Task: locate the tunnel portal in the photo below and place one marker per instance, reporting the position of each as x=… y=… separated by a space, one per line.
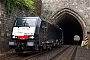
x=70 y=27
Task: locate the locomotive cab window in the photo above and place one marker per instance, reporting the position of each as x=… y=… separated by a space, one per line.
x=43 y=24
x=25 y=22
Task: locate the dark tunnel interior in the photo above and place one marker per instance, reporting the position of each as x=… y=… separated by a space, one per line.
x=70 y=27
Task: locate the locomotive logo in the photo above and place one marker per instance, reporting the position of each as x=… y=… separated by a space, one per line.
x=21 y=31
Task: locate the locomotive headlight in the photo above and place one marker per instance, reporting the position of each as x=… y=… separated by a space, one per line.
x=31 y=37
x=14 y=36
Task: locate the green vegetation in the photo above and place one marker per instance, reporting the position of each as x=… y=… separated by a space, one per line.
x=11 y=4
x=88 y=46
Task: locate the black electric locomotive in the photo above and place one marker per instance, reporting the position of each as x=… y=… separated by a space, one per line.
x=33 y=34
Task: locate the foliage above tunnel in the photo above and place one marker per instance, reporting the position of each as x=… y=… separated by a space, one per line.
x=26 y=3
x=22 y=4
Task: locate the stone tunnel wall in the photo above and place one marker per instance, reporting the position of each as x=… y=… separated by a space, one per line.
x=6 y=22
x=82 y=7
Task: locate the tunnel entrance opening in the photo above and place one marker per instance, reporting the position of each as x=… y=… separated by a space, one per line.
x=70 y=27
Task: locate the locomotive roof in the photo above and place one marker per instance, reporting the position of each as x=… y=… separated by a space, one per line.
x=52 y=24
x=29 y=17
x=37 y=17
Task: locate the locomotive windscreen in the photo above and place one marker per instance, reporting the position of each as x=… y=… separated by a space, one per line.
x=25 y=22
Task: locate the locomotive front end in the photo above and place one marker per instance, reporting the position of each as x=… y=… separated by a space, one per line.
x=24 y=35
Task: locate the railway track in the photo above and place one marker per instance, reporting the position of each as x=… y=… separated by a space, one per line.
x=67 y=54
x=17 y=56
x=60 y=53
x=34 y=56
x=74 y=53
x=44 y=55
x=21 y=57
x=54 y=57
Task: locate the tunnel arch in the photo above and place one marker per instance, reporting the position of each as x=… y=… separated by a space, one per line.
x=68 y=19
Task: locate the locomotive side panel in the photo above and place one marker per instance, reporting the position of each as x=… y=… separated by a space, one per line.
x=42 y=33
x=54 y=34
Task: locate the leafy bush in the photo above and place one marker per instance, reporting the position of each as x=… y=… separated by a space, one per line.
x=11 y=4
